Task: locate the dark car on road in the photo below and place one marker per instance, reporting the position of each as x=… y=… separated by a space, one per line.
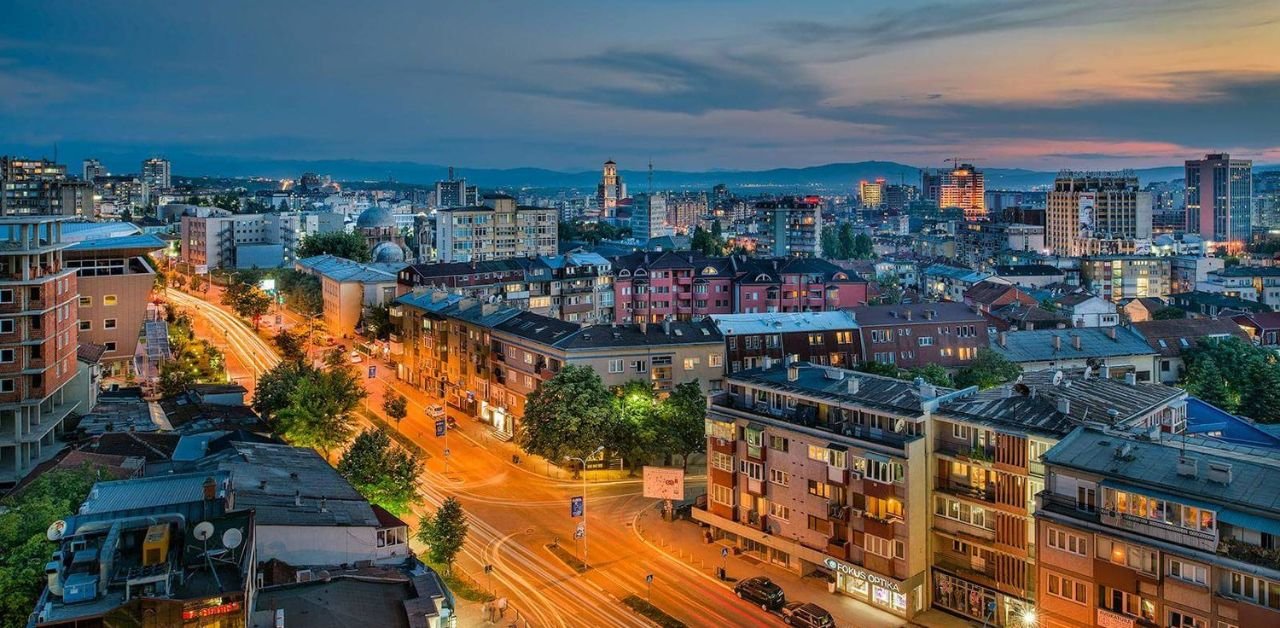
x=807 y=614
x=762 y=591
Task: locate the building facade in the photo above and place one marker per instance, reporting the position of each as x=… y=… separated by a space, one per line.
x=826 y=338
x=789 y=227
x=114 y=279
x=496 y=230
x=610 y=190
x=1120 y=277
x=1098 y=213
x=910 y=336
x=1220 y=198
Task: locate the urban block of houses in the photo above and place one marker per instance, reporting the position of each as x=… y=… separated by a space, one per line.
x=910 y=336
x=1171 y=338
x=939 y=281
x=1117 y=349
x=349 y=288
x=818 y=337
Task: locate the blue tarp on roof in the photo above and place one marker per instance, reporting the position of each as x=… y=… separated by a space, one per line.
x=1204 y=419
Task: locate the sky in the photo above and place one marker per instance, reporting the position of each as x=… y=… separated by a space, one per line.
x=688 y=84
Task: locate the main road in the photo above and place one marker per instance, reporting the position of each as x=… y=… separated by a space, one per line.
x=514 y=513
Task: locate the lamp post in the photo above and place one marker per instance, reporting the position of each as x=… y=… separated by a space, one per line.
x=583 y=461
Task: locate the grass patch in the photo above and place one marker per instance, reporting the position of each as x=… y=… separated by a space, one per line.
x=567 y=558
x=653 y=613
x=460 y=584
x=395 y=434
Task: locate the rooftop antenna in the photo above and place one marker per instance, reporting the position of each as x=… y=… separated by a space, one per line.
x=650 y=176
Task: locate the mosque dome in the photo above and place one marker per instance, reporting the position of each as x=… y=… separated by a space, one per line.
x=387 y=252
x=376 y=218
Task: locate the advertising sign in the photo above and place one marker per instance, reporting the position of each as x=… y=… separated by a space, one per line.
x=575 y=506
x=1088 y=213
x=664 y=483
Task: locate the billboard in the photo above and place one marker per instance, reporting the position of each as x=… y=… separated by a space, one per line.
x=664 y=483
x=1088 y=213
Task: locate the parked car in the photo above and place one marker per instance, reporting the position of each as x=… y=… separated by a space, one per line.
x=762 y=591
x=435 y=411
x=806 y=614
x=356 y=358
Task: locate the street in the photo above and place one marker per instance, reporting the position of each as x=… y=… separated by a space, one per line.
x=516 y=510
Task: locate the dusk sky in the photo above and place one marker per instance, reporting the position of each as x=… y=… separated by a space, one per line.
x=693 y=85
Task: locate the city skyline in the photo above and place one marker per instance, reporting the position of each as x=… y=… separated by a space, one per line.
x=1005 y=84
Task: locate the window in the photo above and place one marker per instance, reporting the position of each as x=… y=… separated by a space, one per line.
x=721 y=430
x=1256 y=590
x=1086 y=499
x=925 y=341
x=6 y=385
x=6 y=355
x=86 y=301
x=878 y=546
x=691 y=363
x=1067 y=589
x=963 y=512
x=1067 y=542
x=640 y=366
x=6 y=295
x=722 y=461
x=820 y=525
x=820 y=489
x=615 y=366
x=86 y=325
x=779 y=511
x=817 y=453
x=109 y=299
x=715 y=360
x=392 y=536
x=884 y=472
x=1180 y=619
x=881 y=335
x=960 y=431
x=1130 y=556
x=722 y=494
x=815 y=339
x=109 y=323
x=779 y=477
x=753 y=470
x=1127 y=603
x=778 y=443
x=6 y=326
x=1188 y=572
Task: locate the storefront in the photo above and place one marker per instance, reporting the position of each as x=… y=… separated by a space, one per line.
x=862 y=585
x=977 y=602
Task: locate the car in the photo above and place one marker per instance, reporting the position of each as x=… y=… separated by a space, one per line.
x=435 y=411
x=762 y=591
x=806 y=614
x=356 y=358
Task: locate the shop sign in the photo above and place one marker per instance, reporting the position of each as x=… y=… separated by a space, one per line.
x=861 y=574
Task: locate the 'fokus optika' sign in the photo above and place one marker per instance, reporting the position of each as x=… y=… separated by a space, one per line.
x=861 y=574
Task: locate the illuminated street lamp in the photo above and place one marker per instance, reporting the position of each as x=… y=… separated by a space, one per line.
x=583 y=461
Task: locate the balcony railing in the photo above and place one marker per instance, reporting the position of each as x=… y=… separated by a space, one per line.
x=1249 y=553
x=1205 y=541
x=986 y=494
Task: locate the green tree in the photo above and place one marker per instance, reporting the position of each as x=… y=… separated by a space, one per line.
x=846 y=240
x=682 y=422
x=570 y=414
x=377 y=322
x=396 y=406
x=1262 y=402
x=933 y=373
x=988 y=369
x=863 y=247
x=290 y=346
x=274 y=387
x=830 y=241
x=384 y=474
x=1169 y=314
x=891 y=292
x=1204 y=379
x=24 y=518
x=251 y=303
x=444 y=532
x=879 y=368
x=337 y=243
x=319 y=410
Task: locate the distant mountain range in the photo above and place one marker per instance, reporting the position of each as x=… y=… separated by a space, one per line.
x=827 y=177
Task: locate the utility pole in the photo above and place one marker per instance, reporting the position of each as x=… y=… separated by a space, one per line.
x=583 y=460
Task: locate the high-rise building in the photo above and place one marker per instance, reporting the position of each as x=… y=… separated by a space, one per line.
x=610 y=191
x=964 y=187
x=92 y=170
x=789 y=227
x=496 y=230
x=455 y=192
x=1098 y=213
x=38 y=336
x=897 y=198
x=871 y=193
x=684 y=211
x=649 y=216
x=1220 y=198
x=155 y=174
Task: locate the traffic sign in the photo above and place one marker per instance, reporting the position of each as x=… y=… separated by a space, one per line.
x=447 y=452
x=580 y=532
x=440 y=428
x=373 y=371
x=724 y=552
x=576 y=506
x=648 y=579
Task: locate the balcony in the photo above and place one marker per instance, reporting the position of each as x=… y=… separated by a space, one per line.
x=838 y=512
x=984 y=455
x=984 y=494
x=838 y=547
x=1249 y=553
x=1204 y=541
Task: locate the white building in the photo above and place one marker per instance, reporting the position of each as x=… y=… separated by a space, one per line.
x=649 y=217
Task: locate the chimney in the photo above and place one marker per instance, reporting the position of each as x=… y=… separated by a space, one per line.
x=1075 y=341
x=1219 y=472
x=793 y=373
x=1106 y=372
x=644 y=326
x=1111 y=333
x=666 y=326
x=1064 y=406
x=768 y=362
x=852 y=386
x=906 y=314
x=297 y=498
x=210 y=489
x=1057 y=342
x=324 y=505
x=1131 y=378
x=1188 y=467
x=1003 y=338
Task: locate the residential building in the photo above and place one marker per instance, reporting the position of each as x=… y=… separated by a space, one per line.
x=1220 y=198
x=1120 y=277
x=1200 y=304
x=1251 y=283
x=454 y=192
x=114 y=282
x=38 y=333
x=684 y=212
x=1030 y=276
x=655 y=286
x=1098 y=213
x=898 y=198
x=989 y=296
x=979 y=243
x=871 y=193
x=1263 y=328
x=1188 y=271
x=794 y=285
x=610 y=190
x=961 y=187
x=269 y=240
x=649 y=216
x=156 y=176
x=942 y=282
x=1172 y=338
x=1021 y=316
x=789 y=227
x=1142 y=309
x=120 y=193
x=91 y=170
x=826 y=338
x=496 y=230
x=909 y=336
x=1118 y=351
x=1157 y=529
x=1084 y=309
x=349 y=288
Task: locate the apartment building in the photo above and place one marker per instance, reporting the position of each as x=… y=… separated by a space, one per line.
x=1121 y=277
x=495 y=230
x=1157 y=529
x=1117 y=350
x=949 y=283
x=38 y=312
x=114 y=280
x=789 y=227
x=1219 y=194
x=794 y=285
x=652 y=287
x=1251 y=283
x=826 y=338
x=349 y=288
x=250 y=240
x=909 y=336
x=1098 y=213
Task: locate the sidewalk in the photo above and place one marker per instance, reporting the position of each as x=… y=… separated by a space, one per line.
x=684 y=540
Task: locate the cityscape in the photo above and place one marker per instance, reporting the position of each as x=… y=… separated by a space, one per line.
x=662 y=314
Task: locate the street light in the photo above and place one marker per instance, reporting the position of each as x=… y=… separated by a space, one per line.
x=583 y=461
x=1029 y=617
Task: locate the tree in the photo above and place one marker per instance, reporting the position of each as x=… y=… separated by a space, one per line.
x=846 y=240
x=1204 y=379
x=1234 y=375
x=350 y=245
x=933 y=373
x=175 y=378
x=1262 y=403
x=863 y=247
x=377 y=322
x=830 y=241
x=568 y=415
x=891 y=292
x=290 y=346
x=700 y=241
x=988 y=369
x=879 y=368
x=444 y=532
x=1169 y=314
x=274 y=387
x=24 y=518
x=248 y=301
x=384 y=474
x=396 y=406
x=682 y=416
x=318 y=414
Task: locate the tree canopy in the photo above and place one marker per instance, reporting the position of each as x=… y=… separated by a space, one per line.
x=1235 y=376
x=384 y=473
x=444 y=532
x=568 y=415
x=350 y=245
x=988 y=369
x=309 y=407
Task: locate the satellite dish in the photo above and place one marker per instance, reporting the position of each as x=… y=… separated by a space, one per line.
x=232 y=538
x=56 y=530
x=203 y=531
x=1057 y=377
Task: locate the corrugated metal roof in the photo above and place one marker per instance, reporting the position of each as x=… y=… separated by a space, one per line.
x=145 y=493
x=774 y=323
x=1095 y=342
